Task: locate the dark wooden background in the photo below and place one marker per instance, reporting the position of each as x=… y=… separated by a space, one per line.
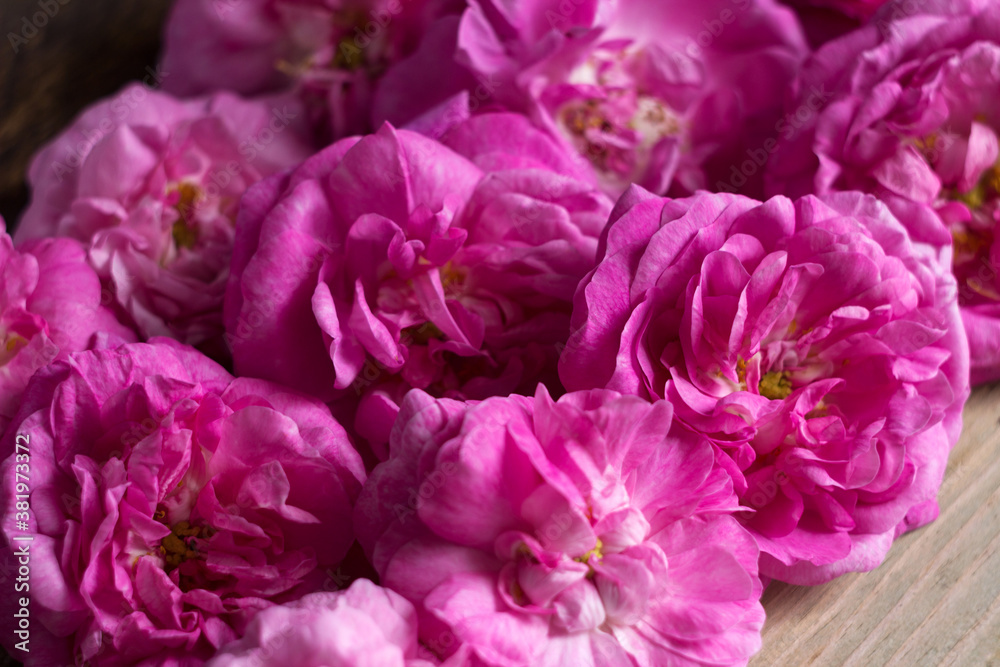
x=86 y=50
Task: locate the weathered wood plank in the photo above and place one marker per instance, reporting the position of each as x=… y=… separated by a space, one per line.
x=86 y=50
x=936 y=599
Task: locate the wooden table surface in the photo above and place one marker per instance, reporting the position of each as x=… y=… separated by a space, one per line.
x=935 y=600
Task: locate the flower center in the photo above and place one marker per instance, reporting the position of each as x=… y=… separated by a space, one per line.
x=453 y=279
x=984 y=192
x=420 y=334
x=741 y=373
x=354 y=48
x=596 y=552
x=775 y=385
x=974 y=235
x=12 y=343
x=185 y=198
x=356 y=41
x=616 y=128
x=180 y=545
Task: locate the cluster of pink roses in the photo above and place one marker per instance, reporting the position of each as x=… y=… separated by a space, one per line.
x=419 y=332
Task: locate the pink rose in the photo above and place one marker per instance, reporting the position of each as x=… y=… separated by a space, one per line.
x=331 y=54
x=912 y=115
x=391 y=261
x=813 y=340
x=151 y=185
x=169 y=502
x=363 y=626
x=585 y=531
x=667 y=94
x=50 y=306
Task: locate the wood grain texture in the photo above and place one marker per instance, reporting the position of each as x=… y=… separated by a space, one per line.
x=86 y=50
x=935 y=600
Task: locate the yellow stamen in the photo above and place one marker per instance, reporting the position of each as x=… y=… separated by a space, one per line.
x=453 y=278
x=14 y=341
x=420 y=334
x=174 y=548
x=986 y=189
x=775 y=385
x=184 y=231
x=518 y=594
x=820 y=410
x=967 y=242
x=741 y=373
x=595 y=552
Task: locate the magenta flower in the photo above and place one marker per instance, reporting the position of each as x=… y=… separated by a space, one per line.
x=50 y=306
x=859 y=10
x=151 y=185
x=813 y=340
x=912 y=116
x=664 y=94
x=583 y=531
x=392 y=262
x=361 y=626
x=332 y=54
x=170 y=502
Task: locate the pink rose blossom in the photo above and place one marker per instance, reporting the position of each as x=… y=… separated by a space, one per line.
x=813 y=340
x=50 y=306
x=332 y=53
x=151 y=185
x=913 y=116
x=391 y=261
x=362 y=626
x=540 y=533
x=666 y=94
x=169 y=502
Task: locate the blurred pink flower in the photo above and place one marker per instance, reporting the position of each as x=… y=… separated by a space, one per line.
x=913 y=116
x=363 y=626
x=332 y=53
x=665 y=94
x=391 y=261
x=583 y=531
x=170 y=502
x=814 y=340
x=50 y=306
x=151 y=185
x=860 y=10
